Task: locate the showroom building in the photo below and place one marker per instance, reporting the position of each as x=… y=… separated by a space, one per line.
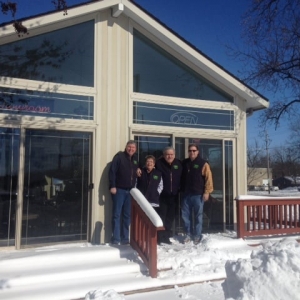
x=77 y=87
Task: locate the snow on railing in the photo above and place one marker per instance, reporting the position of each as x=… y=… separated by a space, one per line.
x=145 y=222
x=258 y=216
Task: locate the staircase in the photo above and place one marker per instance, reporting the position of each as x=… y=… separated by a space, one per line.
x=70 y=272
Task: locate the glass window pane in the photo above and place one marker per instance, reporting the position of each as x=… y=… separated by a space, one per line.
x=46 y=104
x=159 y=73
x=55 y=197
x=64 y=56
x=149 y=145
x=9 y=166
x=180 y=116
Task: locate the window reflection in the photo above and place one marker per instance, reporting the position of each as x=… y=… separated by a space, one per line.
x=64 y=56
x=159 y=73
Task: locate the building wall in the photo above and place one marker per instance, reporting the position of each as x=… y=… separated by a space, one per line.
x=256 y=176
x=113 y=126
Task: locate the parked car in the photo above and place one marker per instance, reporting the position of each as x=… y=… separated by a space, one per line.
x=274 y=188
x=264 y=188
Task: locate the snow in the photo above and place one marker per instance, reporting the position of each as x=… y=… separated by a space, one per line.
x=221 y=267
x=146 y=207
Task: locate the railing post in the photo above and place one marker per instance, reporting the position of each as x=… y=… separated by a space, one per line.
x=240 y=219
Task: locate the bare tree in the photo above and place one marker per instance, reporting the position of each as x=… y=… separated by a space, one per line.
x=286 y=161
x=271 y=33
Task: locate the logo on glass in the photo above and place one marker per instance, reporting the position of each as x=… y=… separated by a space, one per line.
x=184 y=118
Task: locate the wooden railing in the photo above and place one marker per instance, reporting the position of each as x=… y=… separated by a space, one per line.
x=145 y=223
x=258 y=216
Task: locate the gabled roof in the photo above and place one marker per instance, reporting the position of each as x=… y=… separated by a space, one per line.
x=254 y=100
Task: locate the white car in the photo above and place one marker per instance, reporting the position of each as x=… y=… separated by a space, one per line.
x=264 y=188
x=274 y=188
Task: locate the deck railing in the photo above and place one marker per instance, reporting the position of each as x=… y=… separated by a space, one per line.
x=145 y=223
x=259 y=216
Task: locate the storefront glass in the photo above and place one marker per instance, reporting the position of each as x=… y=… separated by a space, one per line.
x=55 y=194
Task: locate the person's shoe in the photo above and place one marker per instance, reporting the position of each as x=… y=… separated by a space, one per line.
x=125 y=243
x=197 y=240
x=187 y=239
x=115 y=243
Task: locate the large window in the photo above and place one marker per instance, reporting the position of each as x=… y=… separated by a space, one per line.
x=64 y=56
x=159 y=73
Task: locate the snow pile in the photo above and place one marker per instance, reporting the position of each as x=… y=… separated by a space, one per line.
x=272 y=273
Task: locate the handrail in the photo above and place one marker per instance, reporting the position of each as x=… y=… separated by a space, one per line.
x=258 y=216
x=145 y=223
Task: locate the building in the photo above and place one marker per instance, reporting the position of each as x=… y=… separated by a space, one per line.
x=259 y=176
x=77 y=87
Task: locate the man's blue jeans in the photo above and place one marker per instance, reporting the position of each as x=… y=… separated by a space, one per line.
x=192 y=208
x=121 y=213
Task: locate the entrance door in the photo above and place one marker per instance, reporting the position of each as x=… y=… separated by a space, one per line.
x=56 y=180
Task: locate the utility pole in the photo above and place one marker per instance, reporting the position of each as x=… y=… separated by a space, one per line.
x=268 y=159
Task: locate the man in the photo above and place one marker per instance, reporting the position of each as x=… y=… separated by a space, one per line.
x=196 y=186
x=150 y=182
x=171 y=170
x=122 y=178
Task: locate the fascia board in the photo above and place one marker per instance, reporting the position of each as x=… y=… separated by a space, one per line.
x=48 y=19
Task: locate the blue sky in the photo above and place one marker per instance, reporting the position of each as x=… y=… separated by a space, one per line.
x=209 y=25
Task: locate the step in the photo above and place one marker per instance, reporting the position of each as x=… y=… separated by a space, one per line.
x=68 y=256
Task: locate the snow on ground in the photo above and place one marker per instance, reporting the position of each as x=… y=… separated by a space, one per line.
x=269 y=271
x=221 y=267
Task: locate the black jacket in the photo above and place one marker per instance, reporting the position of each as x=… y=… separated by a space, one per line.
x=148 y=185
x=122 y=172
x=193 y=181
x=171 y=175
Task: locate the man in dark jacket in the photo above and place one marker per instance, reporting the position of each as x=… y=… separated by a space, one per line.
x=171 y=170
x=122 y=178
x=196 y=186
x=150 y=182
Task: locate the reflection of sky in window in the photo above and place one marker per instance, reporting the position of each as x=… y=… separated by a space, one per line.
x=177 y=116
x=33 y=57
x=157 y=72
x=47 y=104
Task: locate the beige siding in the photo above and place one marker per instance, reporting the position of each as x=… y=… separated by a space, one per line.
x=112 y=113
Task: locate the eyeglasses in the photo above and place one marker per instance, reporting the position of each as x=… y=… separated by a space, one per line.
x=193 y=150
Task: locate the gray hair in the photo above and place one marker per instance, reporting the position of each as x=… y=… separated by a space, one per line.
x=130 y=142
x=167 y=149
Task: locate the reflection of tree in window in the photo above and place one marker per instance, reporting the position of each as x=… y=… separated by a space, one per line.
x=27 y=64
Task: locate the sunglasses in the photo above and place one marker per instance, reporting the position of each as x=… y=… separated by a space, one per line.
x=193 y=150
